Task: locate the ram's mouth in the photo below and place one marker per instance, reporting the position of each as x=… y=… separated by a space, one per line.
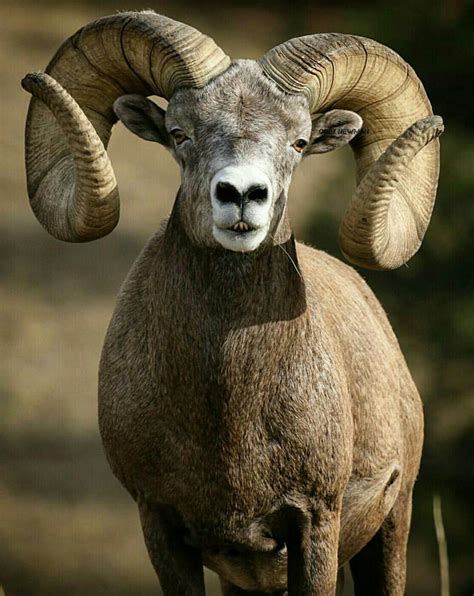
x=240 y=237
x=241 y=227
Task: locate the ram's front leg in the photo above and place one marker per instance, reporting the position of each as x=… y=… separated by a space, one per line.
x=179 y=566
x=312 y=553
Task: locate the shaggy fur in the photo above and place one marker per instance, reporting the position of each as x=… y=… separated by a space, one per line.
x=256 y=404
x=252 y=396
x=261 y=419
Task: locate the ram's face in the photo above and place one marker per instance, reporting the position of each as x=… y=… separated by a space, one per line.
x=237 y=141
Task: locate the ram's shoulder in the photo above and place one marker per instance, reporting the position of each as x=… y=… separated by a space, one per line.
x=338 y=286
x=138 y=285
x=320 y=267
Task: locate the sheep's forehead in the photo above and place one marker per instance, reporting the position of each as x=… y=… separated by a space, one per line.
x=240 y=101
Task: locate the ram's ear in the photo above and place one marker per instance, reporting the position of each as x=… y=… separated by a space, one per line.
x=333 y=130
x=143 y=117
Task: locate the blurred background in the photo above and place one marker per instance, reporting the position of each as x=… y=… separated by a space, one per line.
x=66 y=525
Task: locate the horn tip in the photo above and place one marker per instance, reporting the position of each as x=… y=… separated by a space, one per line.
x=439 y=124
x=31 y=80
x=433 y=123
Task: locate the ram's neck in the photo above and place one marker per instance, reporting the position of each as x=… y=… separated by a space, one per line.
x=240 y=288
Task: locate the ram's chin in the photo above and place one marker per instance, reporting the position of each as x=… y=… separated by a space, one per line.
x=240 y=241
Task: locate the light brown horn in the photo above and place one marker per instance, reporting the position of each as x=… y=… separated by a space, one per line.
x=71 y=183
x=397 y=154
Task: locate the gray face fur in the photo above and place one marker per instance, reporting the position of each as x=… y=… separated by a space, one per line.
x=237 y=141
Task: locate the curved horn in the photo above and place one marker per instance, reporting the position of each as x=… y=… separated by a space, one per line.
x=397 y=156
x=71 y=183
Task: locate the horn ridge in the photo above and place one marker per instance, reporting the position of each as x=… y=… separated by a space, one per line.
x=71 y=115
x=359 y=74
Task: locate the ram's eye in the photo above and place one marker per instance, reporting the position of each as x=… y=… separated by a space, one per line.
x=300 y=145
x=178 y=135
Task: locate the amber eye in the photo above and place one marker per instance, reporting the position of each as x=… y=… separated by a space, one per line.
x=299 y=145
x=178 y=135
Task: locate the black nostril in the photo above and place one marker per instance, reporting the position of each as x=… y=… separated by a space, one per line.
x=257 y=193
x=227 y=193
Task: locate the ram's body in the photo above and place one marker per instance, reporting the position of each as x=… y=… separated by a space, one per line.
x=232 y=388
x=253 y=398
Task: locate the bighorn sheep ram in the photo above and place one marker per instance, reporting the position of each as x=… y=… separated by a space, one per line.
x=253 y=398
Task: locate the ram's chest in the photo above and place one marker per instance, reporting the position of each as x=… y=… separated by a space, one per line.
x=248 y=408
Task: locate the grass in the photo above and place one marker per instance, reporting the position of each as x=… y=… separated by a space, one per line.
x=442 y=546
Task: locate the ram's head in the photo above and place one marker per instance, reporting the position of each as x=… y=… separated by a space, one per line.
x=237 y=131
